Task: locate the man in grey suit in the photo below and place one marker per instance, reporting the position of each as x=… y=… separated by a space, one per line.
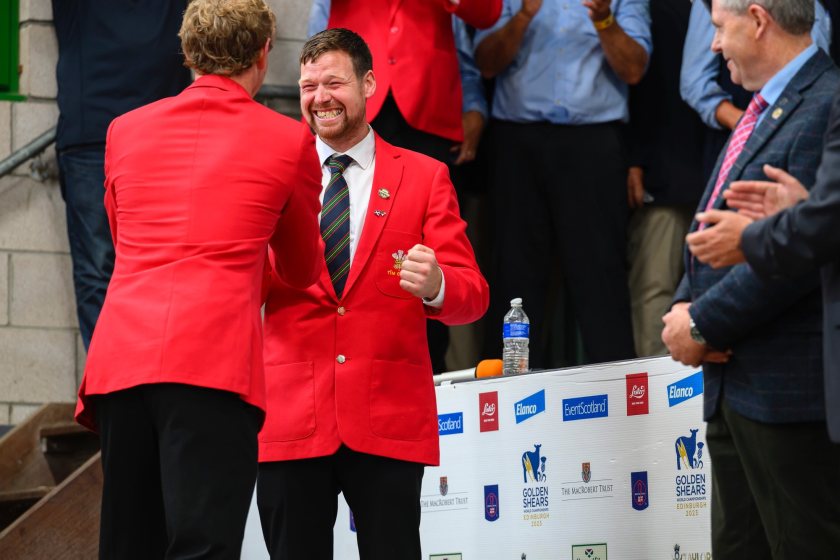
x=774 y=470
x=794 y=240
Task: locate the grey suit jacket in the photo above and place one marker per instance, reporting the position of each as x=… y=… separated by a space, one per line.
x=771 y=325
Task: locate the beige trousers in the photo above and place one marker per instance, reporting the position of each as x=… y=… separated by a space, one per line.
x=656 y=239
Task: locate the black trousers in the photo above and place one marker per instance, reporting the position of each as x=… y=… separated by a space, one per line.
x=392 y=127
x=775 y=489
x=298 y=504
x=560 y=194
x=179 y=466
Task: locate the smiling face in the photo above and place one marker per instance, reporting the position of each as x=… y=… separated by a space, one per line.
x=735 y=39
x=333 y=97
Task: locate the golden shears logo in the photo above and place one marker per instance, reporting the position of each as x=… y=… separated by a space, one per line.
x=533 y=466
x=399 y=256
x=689 y=451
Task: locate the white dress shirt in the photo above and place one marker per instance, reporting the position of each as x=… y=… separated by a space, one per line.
x=359 y=178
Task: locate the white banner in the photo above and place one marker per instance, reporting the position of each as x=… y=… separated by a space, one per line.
x=582 y=463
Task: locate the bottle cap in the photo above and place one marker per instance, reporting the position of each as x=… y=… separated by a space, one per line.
x=516 y=301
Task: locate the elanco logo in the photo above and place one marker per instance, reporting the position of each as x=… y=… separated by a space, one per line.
x=637 y=394
x=685 y=389
x=488 y=406
x=530 y=406
x=452 y=423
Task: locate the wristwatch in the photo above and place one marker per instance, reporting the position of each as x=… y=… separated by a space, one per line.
x=695 y=332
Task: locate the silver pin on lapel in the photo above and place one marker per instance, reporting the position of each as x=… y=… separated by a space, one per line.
x=379 y=213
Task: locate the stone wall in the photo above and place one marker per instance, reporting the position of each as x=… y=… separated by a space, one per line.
x=41 y=354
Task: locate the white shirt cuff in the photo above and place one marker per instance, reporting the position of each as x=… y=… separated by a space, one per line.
x=438 y=301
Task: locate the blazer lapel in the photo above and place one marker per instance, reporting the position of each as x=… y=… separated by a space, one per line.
x=395 y=5
x=773 y=120
x=387 y=176
x=776 y=116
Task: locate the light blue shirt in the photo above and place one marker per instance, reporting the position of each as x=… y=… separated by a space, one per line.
x=560 y=74
x=777 y=84
x=698 y=78
x=474 y=97
x=319 y=17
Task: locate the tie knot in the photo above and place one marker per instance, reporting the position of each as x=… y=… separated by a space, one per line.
x=338 y=163
x=757 y=104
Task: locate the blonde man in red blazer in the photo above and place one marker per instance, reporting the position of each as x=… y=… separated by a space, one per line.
x=351 y=400
x=196 y=187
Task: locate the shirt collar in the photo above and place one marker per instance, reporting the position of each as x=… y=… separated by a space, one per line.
x=777 y=84
x=362 y=153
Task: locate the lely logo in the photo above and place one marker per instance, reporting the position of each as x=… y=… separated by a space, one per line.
x=589 y=551
x=488 y=411
x=637 y=394
x=530 y=406
x=491 y=502
x=452 y=423
x=583 y=408
x=639 y=490
x=685 y=389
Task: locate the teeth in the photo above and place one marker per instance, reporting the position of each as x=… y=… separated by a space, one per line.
x=328 y=114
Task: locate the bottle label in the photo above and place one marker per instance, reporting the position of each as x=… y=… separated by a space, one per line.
x=516 y=330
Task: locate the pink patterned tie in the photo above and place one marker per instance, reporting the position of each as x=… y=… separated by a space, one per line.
x=739 y=138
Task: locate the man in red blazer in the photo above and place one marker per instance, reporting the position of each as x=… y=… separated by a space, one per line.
x=350 y=396
x=196 y=186
x=418 y=100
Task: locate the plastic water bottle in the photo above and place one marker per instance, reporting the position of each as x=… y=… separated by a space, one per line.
x=515 y=337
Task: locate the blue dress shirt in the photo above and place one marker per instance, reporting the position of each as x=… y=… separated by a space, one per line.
x=698 y=79
x=777 y=84
x=560 y=74
x=475 y=98
x=319 y=17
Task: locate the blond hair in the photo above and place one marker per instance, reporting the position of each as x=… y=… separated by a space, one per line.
x=225 y=36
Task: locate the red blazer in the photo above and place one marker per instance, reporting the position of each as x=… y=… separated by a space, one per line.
x=196 y=186
x=414 y=55
x=357 y=370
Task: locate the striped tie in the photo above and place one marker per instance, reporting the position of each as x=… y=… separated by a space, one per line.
x=736 y=144
x=335 y=222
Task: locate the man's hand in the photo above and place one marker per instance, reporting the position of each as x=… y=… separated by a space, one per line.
x=473 y=126
x=530 y=8
x=599 y=10
x=759 y=199
x=421 y=275
x=719 y=246
x=677 y=337
x=635 y=187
